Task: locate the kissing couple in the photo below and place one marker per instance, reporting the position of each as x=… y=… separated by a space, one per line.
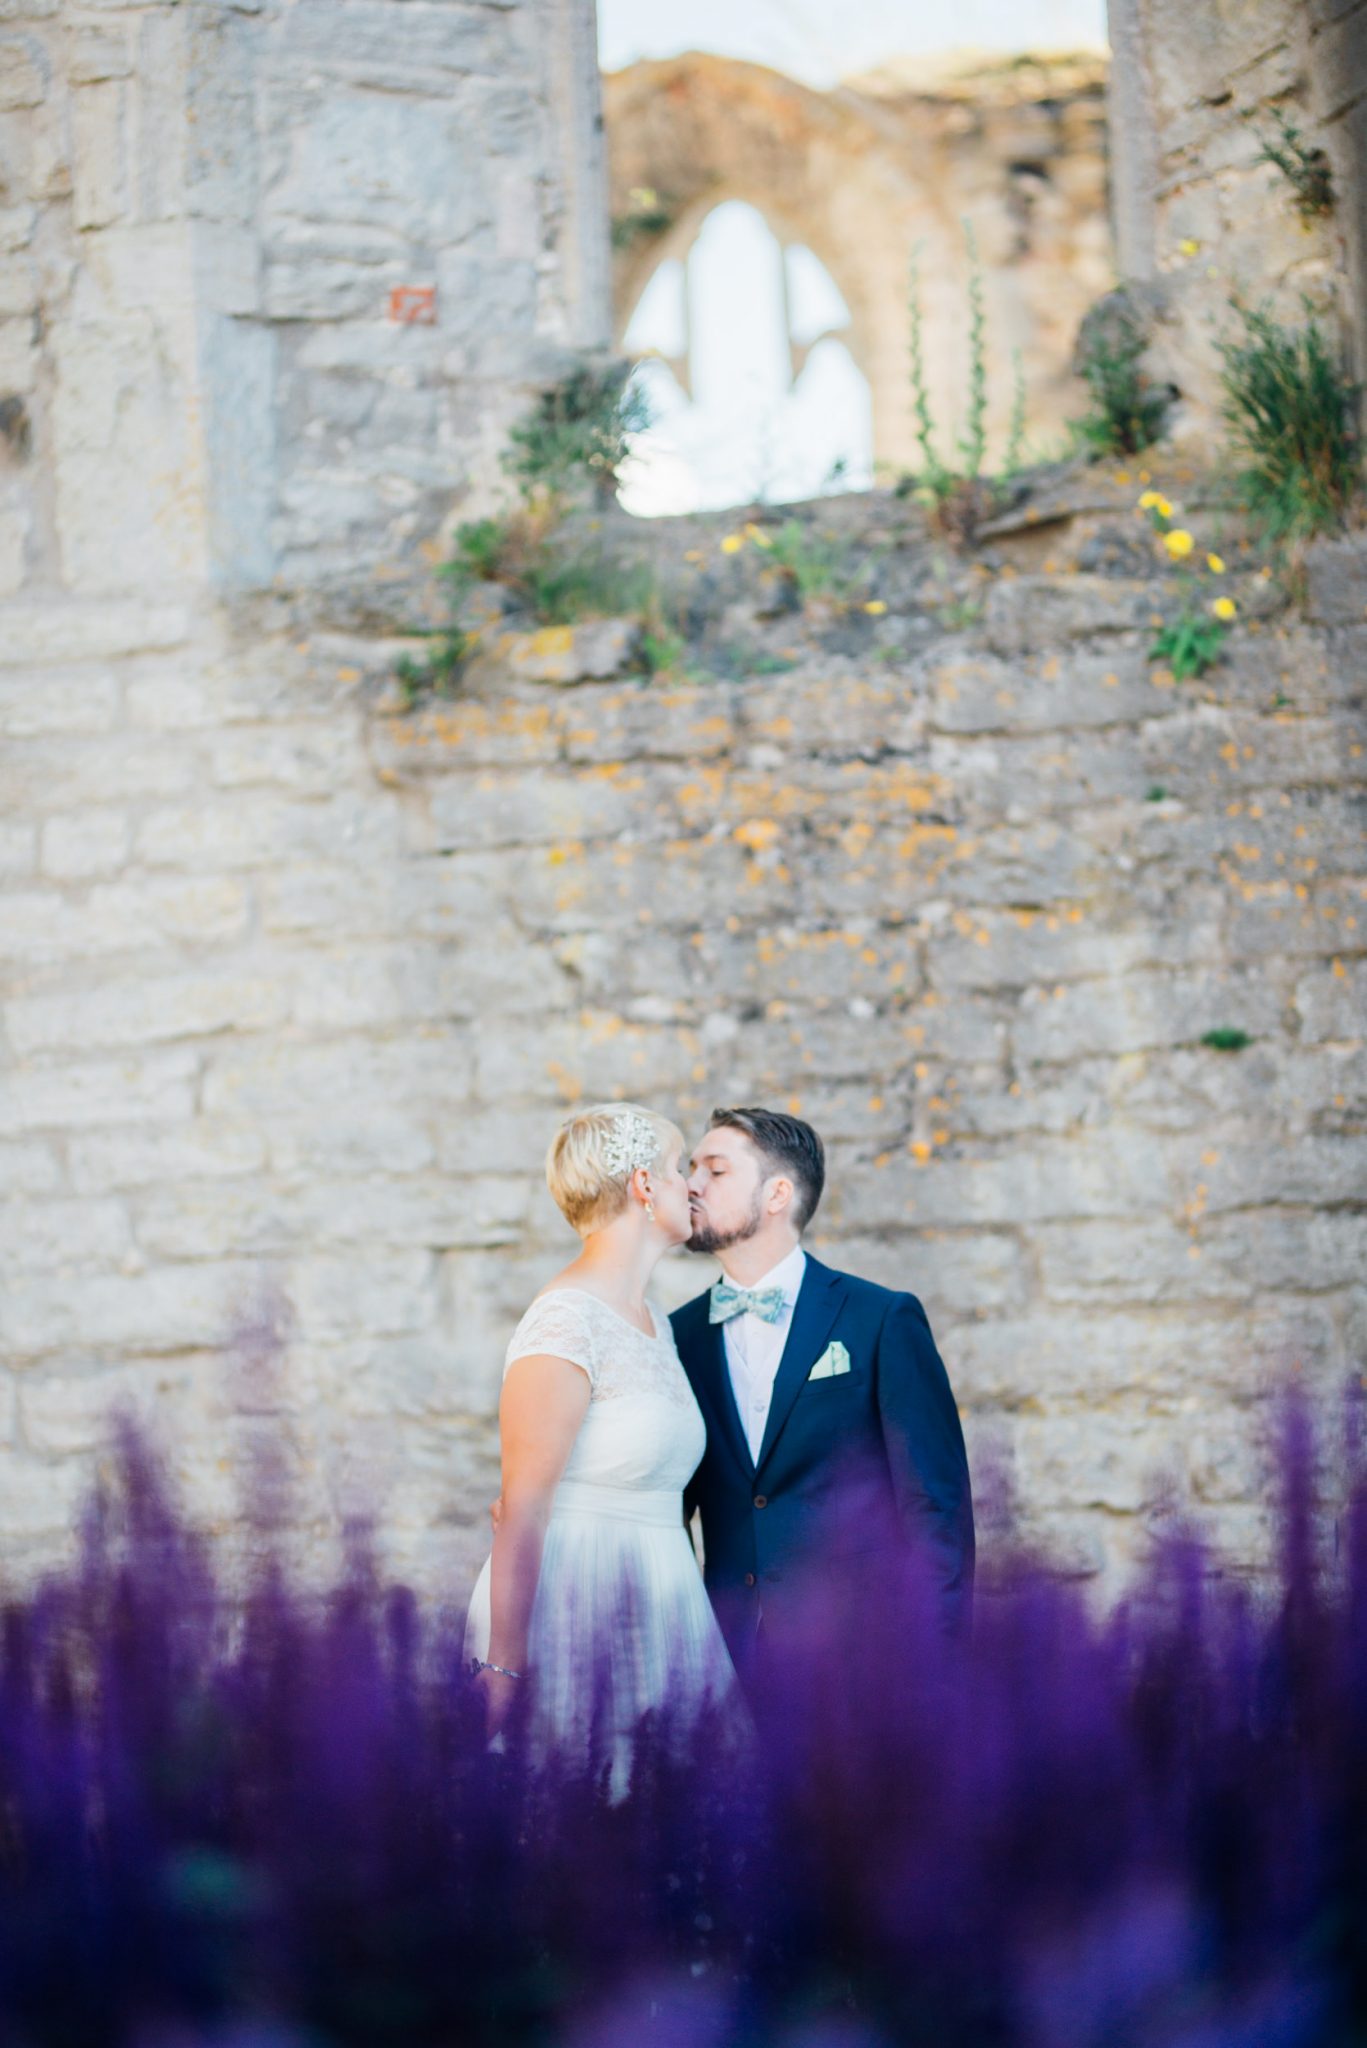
x=805 y=1413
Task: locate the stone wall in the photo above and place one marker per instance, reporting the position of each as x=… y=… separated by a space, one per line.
x=275 y=274
x=1194 y=91
x=296 y=987
x=890 y=162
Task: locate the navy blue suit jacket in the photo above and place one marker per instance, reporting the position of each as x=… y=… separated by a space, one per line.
x=851 y=1467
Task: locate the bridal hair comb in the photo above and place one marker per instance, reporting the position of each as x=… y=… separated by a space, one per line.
x=630 y=1142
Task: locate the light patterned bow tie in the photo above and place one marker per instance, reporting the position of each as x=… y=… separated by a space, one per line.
x=765 y=1302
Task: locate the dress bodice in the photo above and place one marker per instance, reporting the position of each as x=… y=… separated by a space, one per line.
x=643 y=1427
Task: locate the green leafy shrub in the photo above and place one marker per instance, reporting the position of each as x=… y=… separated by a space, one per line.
x=1290 y=408
x=1127 y=410
x=1302 y=164
x=578 y=433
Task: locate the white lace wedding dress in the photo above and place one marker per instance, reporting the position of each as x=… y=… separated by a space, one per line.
x=621 y=1622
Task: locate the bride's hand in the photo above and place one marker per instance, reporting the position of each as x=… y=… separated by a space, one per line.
x=499 y=1694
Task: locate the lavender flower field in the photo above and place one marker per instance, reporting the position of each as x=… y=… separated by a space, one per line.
x=273 y=1822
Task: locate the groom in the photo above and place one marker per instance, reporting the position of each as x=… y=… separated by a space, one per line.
x=833 y=1441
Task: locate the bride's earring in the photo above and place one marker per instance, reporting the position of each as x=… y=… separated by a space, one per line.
x=650 y=1212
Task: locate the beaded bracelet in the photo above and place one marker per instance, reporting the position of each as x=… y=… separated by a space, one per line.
x=478 y=1664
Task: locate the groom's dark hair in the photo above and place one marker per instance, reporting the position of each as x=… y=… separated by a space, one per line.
x=787 y=1145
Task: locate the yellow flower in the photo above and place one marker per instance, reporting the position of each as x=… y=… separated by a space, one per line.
x=1178 y=543
x=1216 y=564
x=1154 y=501
x=732 y=543
x=1188 y=246
x=757 y=535
x=1224 y=607
x=876 y=607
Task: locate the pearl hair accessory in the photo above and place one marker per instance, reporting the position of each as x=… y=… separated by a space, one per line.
x=631 y=1142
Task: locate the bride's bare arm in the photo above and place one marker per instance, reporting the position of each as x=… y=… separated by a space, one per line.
x=544 y=1401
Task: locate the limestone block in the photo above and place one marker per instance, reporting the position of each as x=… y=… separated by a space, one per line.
x=1151 y=1262
x=252 y=831
x=24 y=72
x=61 y=701
x=74 y=769
x=572 y=654
x=1240 y=1172
x=119 y=917
x=284 y=1082
x=85 y=843
x=100 y=166
x=1071 y=942
x=407 y=165
x=1142 y=1010
x=1105 y=1173
x=1120 y=1462
x=18 y=848
x=1063 y=771
x=1027 y=613
x=169 y=1308
x=41 y=632
x=66 y=1412
x=1090 y=1359
x=1336 y=580
x=312 y=759
x=43 y=1236
x=100 y=53
x=100 y=1161
x=143 y=1011
x=539 y=809
x=65 y=1095
x=371 y=1291
x=402 y=1213
x=30 y=1167
x=1037 y=862
x=1332 y=1001
x=387 y=47
x=950 y=1272
x=41 y=1498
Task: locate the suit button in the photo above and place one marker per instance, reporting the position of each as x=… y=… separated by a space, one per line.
x=749 y=1578
x=761 y=1500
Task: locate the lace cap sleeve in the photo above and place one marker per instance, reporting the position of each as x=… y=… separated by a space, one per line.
x=560 y=1324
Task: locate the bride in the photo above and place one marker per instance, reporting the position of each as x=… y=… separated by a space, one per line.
x=592 y=1595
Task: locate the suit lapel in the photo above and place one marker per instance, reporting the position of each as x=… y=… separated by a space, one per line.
x=815 y=1311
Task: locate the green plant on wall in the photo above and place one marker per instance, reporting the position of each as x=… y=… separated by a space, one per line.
x=578 y=433
x=958 y=494
x=1290 y=408
x=1305 y=167
x=547 y=549
x=1126 y=411
x=1191 y=640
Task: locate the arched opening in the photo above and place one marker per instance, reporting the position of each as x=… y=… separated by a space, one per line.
x=754 y=390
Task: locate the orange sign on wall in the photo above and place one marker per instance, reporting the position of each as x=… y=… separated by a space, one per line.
x=413 y=305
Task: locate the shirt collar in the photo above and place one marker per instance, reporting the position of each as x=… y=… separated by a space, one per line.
x=787 y=1274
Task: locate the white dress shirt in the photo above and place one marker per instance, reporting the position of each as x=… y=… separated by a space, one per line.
x=754 y=1348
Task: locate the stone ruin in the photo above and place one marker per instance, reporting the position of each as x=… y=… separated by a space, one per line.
x=295 y=984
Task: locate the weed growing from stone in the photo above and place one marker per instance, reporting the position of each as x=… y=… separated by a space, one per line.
x=1226 y=1038
x=1305 y=167
x=1190 y=642
x=1290 y=408
x=958 y=498
x=564 y=457
x=1127 y=411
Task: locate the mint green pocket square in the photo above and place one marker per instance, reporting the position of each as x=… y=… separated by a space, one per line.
x=834 y=1359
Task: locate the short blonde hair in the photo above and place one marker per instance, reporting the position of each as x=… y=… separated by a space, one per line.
x=579 y=1164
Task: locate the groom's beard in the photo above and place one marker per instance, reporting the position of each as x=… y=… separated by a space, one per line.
x=705 y=1239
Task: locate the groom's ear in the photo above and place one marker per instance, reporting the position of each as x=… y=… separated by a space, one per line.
x=781 y=1192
